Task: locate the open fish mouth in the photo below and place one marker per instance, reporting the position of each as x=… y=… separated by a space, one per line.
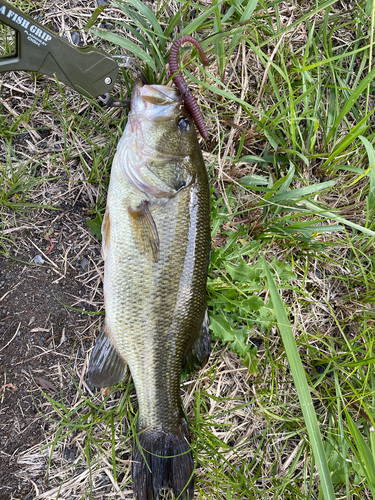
x=154 y=102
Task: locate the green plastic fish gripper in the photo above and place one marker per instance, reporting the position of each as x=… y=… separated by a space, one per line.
x=87 y=70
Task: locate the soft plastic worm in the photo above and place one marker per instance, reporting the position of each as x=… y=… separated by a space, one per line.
x=187 y=97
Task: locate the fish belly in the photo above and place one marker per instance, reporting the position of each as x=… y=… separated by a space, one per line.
x=154 y=309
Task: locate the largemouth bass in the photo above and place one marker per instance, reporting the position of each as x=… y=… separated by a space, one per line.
x=156 y=245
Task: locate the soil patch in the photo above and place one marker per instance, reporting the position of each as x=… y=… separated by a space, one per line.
x=40 y=334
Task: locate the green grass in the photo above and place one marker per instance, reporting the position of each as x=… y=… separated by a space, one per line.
x=293 y=232
x=7 y=40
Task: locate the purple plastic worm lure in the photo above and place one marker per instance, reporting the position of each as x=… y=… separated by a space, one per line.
x=187 y=97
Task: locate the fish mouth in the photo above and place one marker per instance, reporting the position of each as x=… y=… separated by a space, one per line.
x=155 y=102
x=160 y=95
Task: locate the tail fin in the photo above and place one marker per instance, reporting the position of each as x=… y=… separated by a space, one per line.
x=163 y=460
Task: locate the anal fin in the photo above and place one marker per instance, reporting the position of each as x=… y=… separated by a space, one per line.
x=107 y=366
x=145 y=230
x=199 y=352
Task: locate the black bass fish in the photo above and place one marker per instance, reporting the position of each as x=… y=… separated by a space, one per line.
x=156 y=246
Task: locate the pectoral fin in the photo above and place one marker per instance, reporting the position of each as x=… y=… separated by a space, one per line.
x=145 y=230
x=107 y=366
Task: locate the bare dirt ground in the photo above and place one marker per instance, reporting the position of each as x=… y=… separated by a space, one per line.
x=38 y=334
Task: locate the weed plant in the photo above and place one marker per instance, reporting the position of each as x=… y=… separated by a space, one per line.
x=285 y=409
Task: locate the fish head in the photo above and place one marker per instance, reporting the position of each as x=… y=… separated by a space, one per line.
x=159 y=154
x=161 y=121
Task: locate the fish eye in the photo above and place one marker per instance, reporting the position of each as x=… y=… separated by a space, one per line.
x=183 y=123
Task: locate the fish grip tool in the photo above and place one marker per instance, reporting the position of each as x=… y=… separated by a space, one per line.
x=125 y=62
x=88 y=70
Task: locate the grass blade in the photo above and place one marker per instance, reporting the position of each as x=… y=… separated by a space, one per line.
x=303 y=390
x=95 y=16
x=307 y=15
x=348 y=140
x=351 y=101
x=300 y=192
x=193 y=26
x=126 y=44
x=371 y=157
x=338 y=218
x=149 y=15
x=363 y=452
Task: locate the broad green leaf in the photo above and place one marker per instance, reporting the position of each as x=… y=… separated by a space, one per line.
x=253 y=303
x=244 y=349
x=243 y=271
x=250 y=361
x=221 y=329
x=283 y=270
x=240 y=344
x=337 y=465
x=95 y=226
x=230 y=294
x=229 y=297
